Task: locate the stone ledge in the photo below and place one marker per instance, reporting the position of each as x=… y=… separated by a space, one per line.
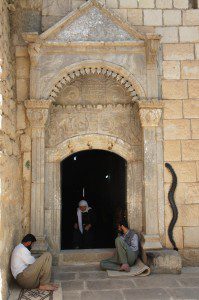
x=164 y=261
x=190 y=257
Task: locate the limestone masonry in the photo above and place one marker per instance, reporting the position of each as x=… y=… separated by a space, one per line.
x=116 y=75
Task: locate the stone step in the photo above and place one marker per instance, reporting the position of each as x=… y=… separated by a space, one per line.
x=83 y=256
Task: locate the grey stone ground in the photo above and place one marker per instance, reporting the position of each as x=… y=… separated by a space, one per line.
x=87 y=282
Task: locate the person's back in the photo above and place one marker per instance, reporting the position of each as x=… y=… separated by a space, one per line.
x=20 y=259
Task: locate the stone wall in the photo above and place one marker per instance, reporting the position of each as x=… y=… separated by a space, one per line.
x=11 y=192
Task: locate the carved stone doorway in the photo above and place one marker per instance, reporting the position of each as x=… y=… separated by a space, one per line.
x=99 y=177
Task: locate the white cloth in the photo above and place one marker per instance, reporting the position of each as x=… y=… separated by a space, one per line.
x=79 y=213
x=20 y=259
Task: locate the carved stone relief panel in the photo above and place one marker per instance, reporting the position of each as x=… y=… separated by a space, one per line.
x=118 y=120
x=94 y=89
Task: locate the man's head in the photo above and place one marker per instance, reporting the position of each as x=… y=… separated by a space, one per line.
x=123 y=226
x=28 y=240
x=83 y=205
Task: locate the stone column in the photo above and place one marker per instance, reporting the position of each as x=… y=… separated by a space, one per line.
x=150 y=114
x=37 y=113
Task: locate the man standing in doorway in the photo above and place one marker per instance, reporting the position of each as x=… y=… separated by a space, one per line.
x=127 y=250
x=31 y=273
x=83 y=228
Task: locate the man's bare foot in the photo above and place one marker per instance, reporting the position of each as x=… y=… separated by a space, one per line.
x=54 y=284
x=125 y=267
x=47 y=287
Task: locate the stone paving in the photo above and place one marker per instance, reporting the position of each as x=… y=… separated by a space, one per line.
x=88 y=282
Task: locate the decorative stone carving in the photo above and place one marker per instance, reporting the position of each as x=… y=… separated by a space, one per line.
x=34 y=52
x=150 y=112
x=70 y=77
x=37 y=112
x=152 y=46
x=118 y=120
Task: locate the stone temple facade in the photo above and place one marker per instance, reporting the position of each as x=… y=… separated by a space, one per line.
x=115 y=75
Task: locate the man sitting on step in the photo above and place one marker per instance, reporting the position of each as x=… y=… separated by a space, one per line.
x=127 y=250
x=31 y=273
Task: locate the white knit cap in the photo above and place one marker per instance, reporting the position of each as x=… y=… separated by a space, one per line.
x=83 y=203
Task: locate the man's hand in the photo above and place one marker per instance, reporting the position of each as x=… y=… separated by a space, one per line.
x=87 y=227
x=75 y=226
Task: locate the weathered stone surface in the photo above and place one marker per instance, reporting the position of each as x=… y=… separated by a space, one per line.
x=191 y=109
x=164 y=261
x=191 y=237
x=172 y=150
x=186 y=217
x=181 y=4
x=169 y=34
x=190 y=150
x=177 y=129
x=193 y=89
x=109 y=284
x=197 y=50
x=192 y=193
x=21 y=118
x=174 y=89
x=153 y=17
x=190 y=69
x=190 y=17
x=190 y=257
x=171 y=69
x=173 y=109
x=172 y=17
x=98 y=295
x=112 y=4
x=164 y=3
x=178 y=237
x=189 y=34
x=178 y=51
x=134 y=16
x=128 y=3
x=195 y=129
x=186 y=172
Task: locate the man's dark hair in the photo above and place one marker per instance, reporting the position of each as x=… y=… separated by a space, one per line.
x=124 y=223
x=29 y=238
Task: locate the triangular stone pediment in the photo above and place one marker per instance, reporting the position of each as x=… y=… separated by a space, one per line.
x=92 y=22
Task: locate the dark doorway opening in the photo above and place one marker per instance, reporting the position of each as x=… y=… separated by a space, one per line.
x=101 y=177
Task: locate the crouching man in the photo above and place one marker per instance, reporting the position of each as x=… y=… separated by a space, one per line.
x=127 y=250
x=31 y=273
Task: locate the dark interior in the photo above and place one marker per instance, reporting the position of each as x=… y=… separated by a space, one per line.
x=102 y=174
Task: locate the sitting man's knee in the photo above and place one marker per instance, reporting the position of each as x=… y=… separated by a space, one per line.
x=118 y=240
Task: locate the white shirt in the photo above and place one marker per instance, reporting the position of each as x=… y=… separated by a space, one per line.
x=20 y=259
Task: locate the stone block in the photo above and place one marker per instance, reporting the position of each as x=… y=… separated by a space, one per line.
x=190 y=150
x=109 y=284
x=190 y=69
x=25 y=143
x=26 y=166
x=191 y=237
x=174 y=89
x=197 y=170
x=172 y=109
x=22 y=86
x=186 y=172
x=164 y=4
x=146 y=3
x=56 y=8
x=48 y=21
x=169 y=34
x=71 y=285
x=189 y=34
x=197 y=50
x=22 y=67
x=152 y=17
x=31 y=21
x=178 y=238
x=195 y=129
x=172 y=151
x=171 y=69
x=181 y=4
x=135 y=16
x=191 y=17
x=128 y=3
x=184 y=293
x=192 y=193
x=122 y=13
x=172 y=17
x=21 y=51
x=190 y=257
x=99 y=295
x=191 y=109
x=178 y=51
x=21 y=117
x=193 y=89
x=112 y=3
x=164 y=261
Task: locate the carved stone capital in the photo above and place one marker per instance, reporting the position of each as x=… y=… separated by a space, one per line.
x=37 y=112
x=152 y=46
x=34 y=52
x=150 y=112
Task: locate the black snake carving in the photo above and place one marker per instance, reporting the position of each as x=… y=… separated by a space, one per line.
x=173 y=205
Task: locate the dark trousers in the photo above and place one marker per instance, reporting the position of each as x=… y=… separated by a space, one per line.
x=83 y=240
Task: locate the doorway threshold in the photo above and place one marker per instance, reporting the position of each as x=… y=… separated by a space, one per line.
x=81 y=256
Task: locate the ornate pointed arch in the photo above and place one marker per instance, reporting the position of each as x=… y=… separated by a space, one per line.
x=76 y=70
